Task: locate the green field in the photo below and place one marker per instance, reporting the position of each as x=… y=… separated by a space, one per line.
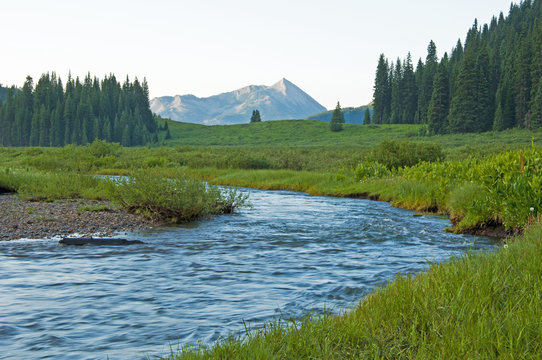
x=314 y=133
x=480 y=180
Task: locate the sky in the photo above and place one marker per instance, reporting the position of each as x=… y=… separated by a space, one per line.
x=328 y=48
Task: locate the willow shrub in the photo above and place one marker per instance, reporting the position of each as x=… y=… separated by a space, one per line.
x=175 y=198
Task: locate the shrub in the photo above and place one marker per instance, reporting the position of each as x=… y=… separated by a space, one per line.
x=395 y=154
x=370 y=169
x=177 y=198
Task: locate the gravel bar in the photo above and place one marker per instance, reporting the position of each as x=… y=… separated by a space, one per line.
x=44 y=220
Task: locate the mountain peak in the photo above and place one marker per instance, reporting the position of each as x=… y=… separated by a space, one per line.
x=282 y=100
x=282 y=85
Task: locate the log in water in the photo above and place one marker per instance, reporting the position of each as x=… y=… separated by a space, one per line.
x=97 y=241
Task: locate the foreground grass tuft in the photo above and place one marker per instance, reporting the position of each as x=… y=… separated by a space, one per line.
x=482 y=305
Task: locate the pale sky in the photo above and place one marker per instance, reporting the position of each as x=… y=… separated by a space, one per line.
x=328 y=48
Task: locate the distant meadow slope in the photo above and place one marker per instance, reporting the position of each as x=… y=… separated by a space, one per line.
x=352 y=115
x=315 y=133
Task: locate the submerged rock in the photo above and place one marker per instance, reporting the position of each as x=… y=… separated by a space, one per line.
x=97 y=241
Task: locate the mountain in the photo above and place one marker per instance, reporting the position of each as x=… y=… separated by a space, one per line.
x=352 y=115
x=281 y=101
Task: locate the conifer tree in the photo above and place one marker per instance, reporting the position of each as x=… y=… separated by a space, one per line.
x=125 y=140
x=45 y=125
x=337 y=119
x=536 y=109
x=68 y=115
x=410 y=92
x=35 y=130
x=438 y=109
x=397 y=94
x=255 y=116
x=367 y=116
x=382 y=92
x=426 y=90
x=522 y=78
x=498 y=122
x=464 y=114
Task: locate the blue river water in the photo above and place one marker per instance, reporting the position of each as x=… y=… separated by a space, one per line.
x=287 y=255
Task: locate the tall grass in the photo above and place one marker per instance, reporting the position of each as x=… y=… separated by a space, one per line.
x=173 y=199
x=39 y=185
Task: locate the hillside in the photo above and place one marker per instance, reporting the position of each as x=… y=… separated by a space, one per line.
x=314 y=133
x=283 y=100
x=352 y=115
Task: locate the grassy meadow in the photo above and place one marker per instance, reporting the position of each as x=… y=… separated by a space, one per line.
x=449 y=174
x=314 y=133
x=479 y=180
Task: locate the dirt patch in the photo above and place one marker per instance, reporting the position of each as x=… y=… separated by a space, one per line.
x=42 y=220
x=364 y=195
x=493 y=228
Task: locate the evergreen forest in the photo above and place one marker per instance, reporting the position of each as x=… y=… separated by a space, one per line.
x=49 y=114
x=491 y=82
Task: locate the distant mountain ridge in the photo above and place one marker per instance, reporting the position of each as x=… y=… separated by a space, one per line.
x=281 y=101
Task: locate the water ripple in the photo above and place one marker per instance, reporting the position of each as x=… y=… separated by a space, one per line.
x=287 y=255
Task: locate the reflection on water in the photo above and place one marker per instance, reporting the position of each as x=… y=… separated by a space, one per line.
x=287 y=255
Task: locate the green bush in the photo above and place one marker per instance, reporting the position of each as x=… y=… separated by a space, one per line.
x=176 y=198
x=396 y=154
x=370 y=169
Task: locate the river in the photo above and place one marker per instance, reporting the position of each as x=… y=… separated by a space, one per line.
x=287 y=255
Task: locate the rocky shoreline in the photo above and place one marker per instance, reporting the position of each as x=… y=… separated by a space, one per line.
x=44 y=220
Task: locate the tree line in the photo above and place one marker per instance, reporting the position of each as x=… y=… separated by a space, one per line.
x=493 y=81
x=49 y=114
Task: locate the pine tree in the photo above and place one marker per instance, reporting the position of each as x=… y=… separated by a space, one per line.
x=536 y=108
x=106 y=130
x=410 y=92
x=464 y=114
x=397 y=93
x=69 y=113
x=438 y=109
x=382 y=92
x=498 y=122
x=125 y=141
x=337 y=119
x=44 y=126
x=484 y=96
x=426 y=90
x=25 y=122
x=35 y=128
x=255 y=116
x=522 y=77
x=367 y=116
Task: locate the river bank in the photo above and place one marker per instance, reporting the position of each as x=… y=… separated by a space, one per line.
x=42 y=220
